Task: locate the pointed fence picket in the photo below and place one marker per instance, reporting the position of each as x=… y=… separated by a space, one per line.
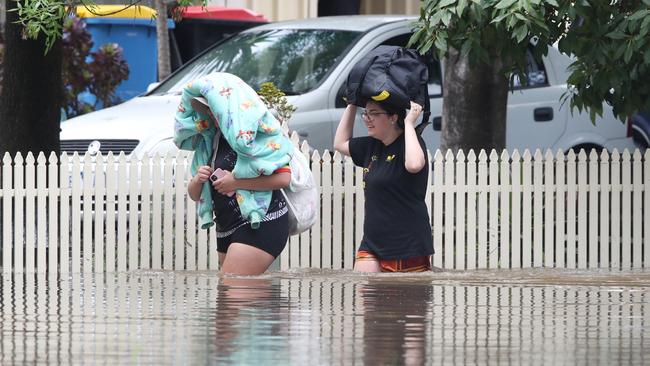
x=626 y=240
x=515 y=219
x=437 y=228
x=549 y=210
x=583 y=188
x=449 y=248
x=604 y=213
x=538 y=209
x=508 y=210
x=315 y=247
x=592 y=203
x=493 y=218
x=30 y=213
x=53 y=215
x=7 y=193
x=505 y=189
x=526 y=210
x=482 y=214
x=461 y=199
x=471 y=189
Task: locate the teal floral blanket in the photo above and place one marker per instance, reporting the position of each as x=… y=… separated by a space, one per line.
x=250 y=129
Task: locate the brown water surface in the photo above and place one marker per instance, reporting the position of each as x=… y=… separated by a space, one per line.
x=325 y=317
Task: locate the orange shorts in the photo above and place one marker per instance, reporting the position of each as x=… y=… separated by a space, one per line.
x=413 y=264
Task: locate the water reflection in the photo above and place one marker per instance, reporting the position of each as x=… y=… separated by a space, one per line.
x=326 y=318
x=249 y=317
x=395 y=322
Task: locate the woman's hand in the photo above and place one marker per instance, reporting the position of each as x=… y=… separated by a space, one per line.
x=226 y=185
x=195 y=184
x=414 y=113
x=203 y=174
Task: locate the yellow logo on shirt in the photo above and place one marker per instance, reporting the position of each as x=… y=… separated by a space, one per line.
x=390 y=158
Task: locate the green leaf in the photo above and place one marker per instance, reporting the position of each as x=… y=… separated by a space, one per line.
x=645 y=24
x=628 y=54
x=616 y=35
x=415 y=38
x=499 y=18
x=638 y=15
x=446 y=18
x=505 y=4
x=427 y=45
x=445 y=3
x=521 y=17
x=441 y=44
x=467 y=46
x=619 y=51
x=552 y=2
x=520 y=33
x=462 y=4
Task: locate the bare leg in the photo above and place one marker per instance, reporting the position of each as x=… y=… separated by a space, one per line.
x=243 y=259
x=367 y=265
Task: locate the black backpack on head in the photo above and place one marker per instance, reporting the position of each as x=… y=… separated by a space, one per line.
x=391 y=75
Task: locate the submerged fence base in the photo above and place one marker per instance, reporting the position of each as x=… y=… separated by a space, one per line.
x=72 y=214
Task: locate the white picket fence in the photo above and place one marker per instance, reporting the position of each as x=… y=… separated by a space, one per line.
x=502 y=211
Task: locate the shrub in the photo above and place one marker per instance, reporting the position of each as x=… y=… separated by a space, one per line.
x=99 y=76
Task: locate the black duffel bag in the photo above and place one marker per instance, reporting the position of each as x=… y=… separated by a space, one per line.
x=391 y=75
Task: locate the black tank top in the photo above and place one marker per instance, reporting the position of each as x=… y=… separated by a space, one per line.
x=226 y=210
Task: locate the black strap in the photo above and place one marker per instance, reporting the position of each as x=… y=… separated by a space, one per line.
x=215 y=147
x=426 y=109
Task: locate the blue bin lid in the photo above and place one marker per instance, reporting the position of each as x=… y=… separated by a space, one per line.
x=128 y=21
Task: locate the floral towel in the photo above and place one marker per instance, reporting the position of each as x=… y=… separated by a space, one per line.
x=248 y=126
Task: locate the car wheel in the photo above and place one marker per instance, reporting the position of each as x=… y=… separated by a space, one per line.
x=641 y=140
x=587 y=148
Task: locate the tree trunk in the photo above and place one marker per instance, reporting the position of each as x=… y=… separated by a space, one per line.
x=474 y=104
x=162 y=33
x=32 y=93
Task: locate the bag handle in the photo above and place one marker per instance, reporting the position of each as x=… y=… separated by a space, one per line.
x=363 y=77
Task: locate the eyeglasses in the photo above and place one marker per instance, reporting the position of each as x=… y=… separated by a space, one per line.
x=372 y=114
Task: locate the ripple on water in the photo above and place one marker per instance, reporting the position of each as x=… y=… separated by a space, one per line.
x=324 y=317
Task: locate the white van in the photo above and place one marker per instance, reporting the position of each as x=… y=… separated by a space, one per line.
x=310 y=60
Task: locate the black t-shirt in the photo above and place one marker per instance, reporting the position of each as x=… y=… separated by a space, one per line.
x=397 y=224
x=226 y=210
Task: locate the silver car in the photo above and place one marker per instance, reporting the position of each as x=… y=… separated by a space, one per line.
x=310 y=60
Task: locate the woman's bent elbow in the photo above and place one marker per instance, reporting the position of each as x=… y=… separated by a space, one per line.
x=414 y=167
x=342 y=147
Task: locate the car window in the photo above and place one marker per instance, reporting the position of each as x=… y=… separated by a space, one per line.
x=435 y=78
x=296 y=61
x=535 y=72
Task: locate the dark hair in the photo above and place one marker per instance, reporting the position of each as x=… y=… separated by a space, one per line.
x=400 y=112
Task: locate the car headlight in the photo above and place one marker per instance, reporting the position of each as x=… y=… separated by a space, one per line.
x=164 y=147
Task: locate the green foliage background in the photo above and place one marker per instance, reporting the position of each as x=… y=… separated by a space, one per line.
x=608 y=38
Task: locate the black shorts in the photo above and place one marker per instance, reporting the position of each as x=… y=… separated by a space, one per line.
x=270 y=236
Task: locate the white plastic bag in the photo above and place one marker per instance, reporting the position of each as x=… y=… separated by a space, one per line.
x=302 y=195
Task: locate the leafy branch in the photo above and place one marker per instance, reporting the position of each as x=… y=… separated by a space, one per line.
x=45 y=17
x=276 y=100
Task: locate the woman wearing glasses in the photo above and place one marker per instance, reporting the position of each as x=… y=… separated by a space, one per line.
x=397 y=231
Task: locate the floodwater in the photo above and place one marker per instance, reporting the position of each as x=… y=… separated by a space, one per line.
x=326 y=317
